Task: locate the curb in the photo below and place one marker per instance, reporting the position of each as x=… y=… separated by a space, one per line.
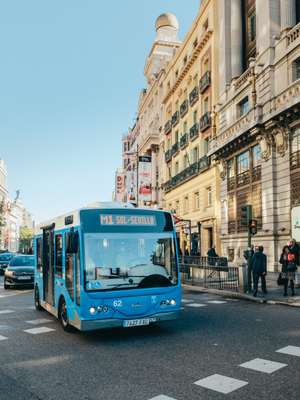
x=237 y=295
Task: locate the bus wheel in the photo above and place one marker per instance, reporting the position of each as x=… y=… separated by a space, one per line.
x=37 y=303
x=63 y=316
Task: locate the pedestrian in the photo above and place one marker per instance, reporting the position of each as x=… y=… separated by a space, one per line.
x=259 y=268
x=248 y=255
x=212 y=255
x=294 y=248
x=289 y=267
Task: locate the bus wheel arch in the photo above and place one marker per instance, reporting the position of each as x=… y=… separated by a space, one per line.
x=63 y=315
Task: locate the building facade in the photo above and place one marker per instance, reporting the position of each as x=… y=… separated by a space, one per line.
x=191 y=90
x=257 y=146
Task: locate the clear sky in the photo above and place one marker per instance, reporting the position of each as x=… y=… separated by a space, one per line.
x=70 y=76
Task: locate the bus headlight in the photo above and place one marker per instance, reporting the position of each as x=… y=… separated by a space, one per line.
x=93 y=310
x=169 y=302
x=173 y=302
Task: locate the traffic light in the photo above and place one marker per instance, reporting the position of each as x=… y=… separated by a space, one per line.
x=246 y=215
x=253 y=226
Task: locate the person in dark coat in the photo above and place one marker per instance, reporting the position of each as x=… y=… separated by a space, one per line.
x=212 y=255
x=288 y=275
x=294 y=249
x=259 y=268
x=248 y=255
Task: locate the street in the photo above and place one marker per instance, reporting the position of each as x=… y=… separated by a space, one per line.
x=213 y=336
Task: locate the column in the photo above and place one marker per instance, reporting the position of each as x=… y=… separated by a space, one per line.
x=236 y=38
x=225 y=40
x=267 y=23
x=287 y=14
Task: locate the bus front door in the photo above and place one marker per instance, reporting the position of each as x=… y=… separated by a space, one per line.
x=48 y=265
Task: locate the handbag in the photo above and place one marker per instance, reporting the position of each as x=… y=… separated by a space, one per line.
x=280 y=280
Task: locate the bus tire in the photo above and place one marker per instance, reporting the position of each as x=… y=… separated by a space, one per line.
x=37 y=302
x=63 y=316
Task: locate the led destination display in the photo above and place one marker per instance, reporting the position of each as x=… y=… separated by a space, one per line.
x=127 y=220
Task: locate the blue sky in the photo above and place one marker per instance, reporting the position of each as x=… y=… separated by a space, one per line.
x=70 y=75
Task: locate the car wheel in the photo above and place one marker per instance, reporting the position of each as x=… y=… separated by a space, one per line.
x=37 y=302
x=63 y=316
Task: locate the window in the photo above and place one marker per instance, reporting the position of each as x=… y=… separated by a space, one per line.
x=296 y=141
x=256 y=156
x=196 y=201
x=209 y=196
x=186 y=204
x=243 y=162
x=296 y=69
x=297 y=11
x=195 y=117
x=39 y=254
x=252 y=27
x=58 y=255
x=243 y=107
x=249 y=31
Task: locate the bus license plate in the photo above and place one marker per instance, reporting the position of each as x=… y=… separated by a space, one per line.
x=136 y=322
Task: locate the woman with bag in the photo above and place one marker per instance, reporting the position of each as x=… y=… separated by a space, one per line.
x=289 y=267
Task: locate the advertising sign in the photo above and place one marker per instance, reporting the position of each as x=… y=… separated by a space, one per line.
x=131 y=186
x=120 y=181
x=296 y=223
x=145 y=179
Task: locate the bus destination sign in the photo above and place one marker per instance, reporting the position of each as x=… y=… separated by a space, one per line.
x=127 y=220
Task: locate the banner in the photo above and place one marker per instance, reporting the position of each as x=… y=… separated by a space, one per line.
x=145 y=179
x=120 y=186
x=131 y=186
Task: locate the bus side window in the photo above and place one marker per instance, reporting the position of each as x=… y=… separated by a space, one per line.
x=39 y=254
x=58 y=255
x=69 y=268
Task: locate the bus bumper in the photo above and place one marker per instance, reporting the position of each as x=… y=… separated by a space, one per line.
x=91 y=325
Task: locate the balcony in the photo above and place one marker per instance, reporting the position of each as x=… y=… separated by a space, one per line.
x=168 y=155
x=194 y=131
x=205 y=82
x=194 y=96
x=184 y=108
x=293 y=35
x=175 y=118
x=168 y=127
x=175 y=149
x=184 y=140
x=203 y=163
x=205 y=122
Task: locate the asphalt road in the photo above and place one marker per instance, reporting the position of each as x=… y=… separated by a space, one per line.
x=210 y=340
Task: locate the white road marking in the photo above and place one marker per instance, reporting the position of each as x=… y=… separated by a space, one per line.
x=187 y=301
x=196 y=305
x=221 y=383
x=162 y=397
x=290 y=350
x=216 y=302
x=37 y=331
x=39 y=321
x=6 y=311
x=3 y=337
x=266 y=366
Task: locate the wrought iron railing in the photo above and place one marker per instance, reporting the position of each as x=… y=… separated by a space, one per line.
x=175 y=118
x=175 y=148
x=243 y=178
x=194 y=96
x=205 y=82
x=205 y=122
x=194 y=131
x=184 y=108
x=184 y=140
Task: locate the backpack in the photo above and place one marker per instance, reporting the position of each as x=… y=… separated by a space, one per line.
x=291 y=257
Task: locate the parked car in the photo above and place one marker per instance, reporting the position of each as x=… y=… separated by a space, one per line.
x=20 y=272
x=5 y=258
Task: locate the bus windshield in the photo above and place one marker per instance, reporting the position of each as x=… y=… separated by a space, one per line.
x=128 y=261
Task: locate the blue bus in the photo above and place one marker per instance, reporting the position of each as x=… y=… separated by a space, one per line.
x=108 y=265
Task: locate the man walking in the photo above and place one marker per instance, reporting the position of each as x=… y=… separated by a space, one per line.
x=259 y=267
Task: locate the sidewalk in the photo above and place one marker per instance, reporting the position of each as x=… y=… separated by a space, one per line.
x=274 y=295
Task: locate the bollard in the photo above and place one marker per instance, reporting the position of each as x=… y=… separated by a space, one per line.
x=243 y=278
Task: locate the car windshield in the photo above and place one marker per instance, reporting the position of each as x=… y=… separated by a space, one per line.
x=22 y=261
x=5 y=257
x=121 y=261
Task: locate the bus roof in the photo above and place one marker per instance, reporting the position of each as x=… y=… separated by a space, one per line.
x=60 y=221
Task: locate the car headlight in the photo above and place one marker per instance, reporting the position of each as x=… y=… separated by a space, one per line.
x=93 y=310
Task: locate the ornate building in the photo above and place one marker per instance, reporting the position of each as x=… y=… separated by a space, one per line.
x=191 y=89
x=257 y=147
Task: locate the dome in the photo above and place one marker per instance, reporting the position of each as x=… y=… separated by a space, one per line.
x=167 y=19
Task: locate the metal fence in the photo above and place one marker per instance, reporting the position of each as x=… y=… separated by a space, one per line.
x=209 y=272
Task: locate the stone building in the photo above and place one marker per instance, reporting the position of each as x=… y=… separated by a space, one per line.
x=257 y=145
x=191 y=91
